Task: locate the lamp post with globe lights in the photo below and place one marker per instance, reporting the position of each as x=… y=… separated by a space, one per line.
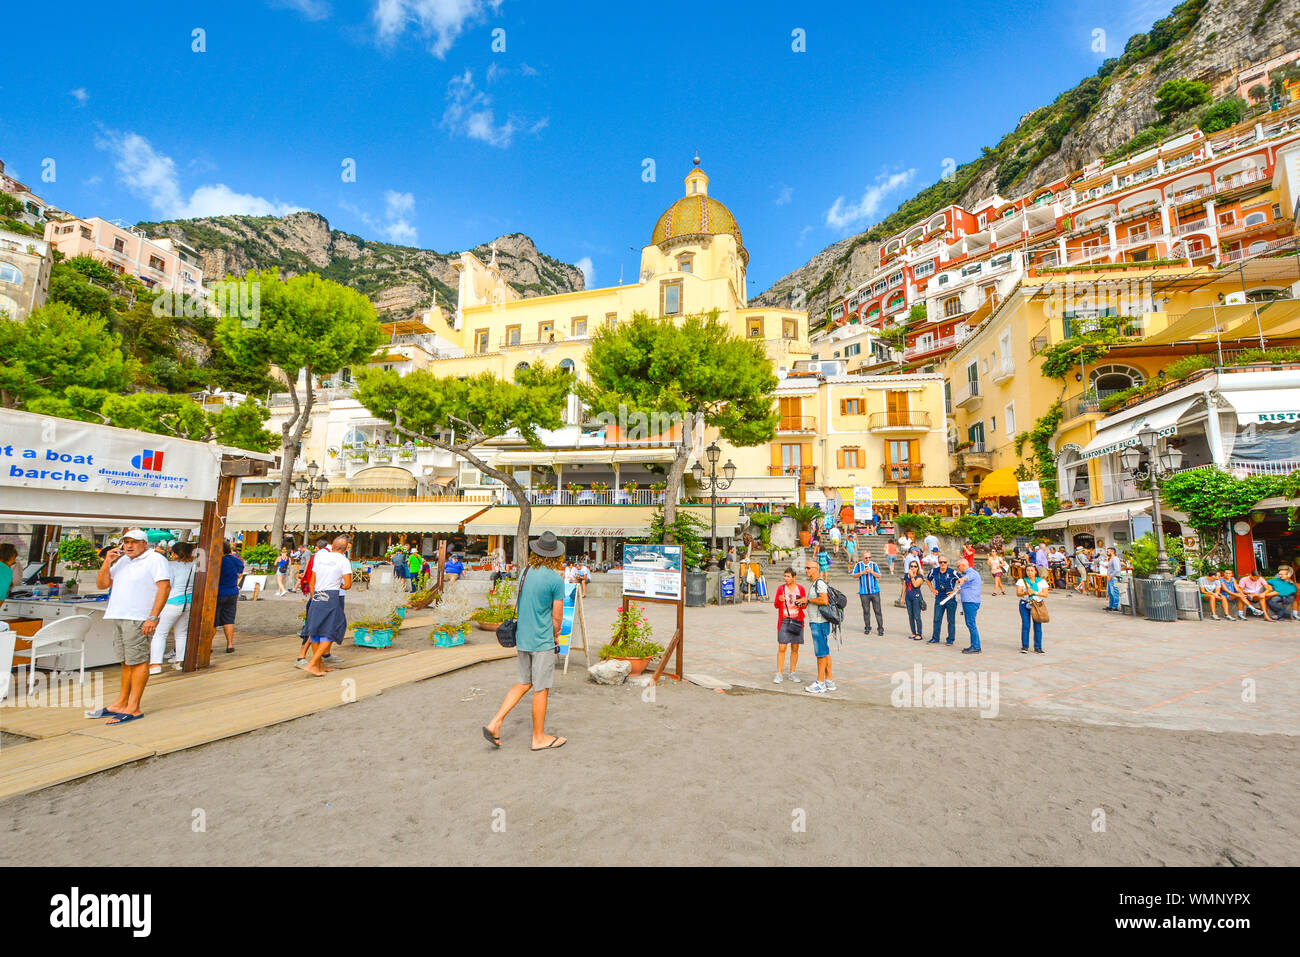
x=1148 y=460
x=714 y=484
x=310 y=487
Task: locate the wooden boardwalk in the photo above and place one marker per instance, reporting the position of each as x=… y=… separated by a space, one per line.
x=256 y=687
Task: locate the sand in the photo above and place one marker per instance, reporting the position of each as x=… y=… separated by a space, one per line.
x=694 y=776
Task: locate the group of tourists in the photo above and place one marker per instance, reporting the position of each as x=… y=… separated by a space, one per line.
x=1269 y=598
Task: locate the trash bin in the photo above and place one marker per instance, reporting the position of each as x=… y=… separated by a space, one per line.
x=697 y=586
x=1188 y=598
x=1158 y=599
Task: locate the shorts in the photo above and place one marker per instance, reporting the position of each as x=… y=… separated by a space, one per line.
x=821 y=636
x=536 y=668
x=226 y=605
x=130 y=643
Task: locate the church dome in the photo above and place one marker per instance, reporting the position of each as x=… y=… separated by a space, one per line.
x=696 y=214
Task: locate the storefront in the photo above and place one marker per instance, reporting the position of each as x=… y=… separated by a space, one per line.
x=1264 y=538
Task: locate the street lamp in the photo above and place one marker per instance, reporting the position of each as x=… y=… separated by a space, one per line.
x=310 y=488
x=1148 y=460
x=714 y=485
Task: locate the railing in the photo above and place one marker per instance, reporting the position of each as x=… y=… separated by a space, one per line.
x=898 y=420
x=903 y=472
x=807 y=474
x=1194 y=226
x=969 y=390
x=934 y=345
x=1082 y=404
x=641 y=496
x=1283 y=467
x=1003 y=370
x=345 y=498
x=797 y=423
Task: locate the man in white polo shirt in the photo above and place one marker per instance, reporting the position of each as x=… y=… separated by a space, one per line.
x=139 y=581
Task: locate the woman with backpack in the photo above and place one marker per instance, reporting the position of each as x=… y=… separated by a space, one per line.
x=790 y=602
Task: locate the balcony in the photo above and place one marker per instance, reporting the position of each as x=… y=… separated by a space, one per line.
x=1085 y=403
x=1002 y=370
x=902 y=473
x=907 y=421
x=797 y=423
x=1192 y=227
x=640 y=496
x=968 y=394
x=807 y=474
x=974 y=456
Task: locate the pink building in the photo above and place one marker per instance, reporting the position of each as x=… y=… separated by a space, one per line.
x=162 y=264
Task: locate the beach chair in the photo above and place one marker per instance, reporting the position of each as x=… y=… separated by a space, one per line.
x=58 y=638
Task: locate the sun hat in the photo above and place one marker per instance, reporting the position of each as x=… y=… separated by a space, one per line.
x=548 y=546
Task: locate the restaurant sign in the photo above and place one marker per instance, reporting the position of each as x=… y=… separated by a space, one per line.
x=41 y=452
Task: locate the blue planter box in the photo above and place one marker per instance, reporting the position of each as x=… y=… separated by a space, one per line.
x=376 y=638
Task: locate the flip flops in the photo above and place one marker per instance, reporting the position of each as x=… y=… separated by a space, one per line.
x=101 y=713
x=124 y=718
x=492 y=738
x=555 y=743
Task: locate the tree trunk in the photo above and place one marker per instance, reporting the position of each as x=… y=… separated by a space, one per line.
x=290 y=439
x=677 y=474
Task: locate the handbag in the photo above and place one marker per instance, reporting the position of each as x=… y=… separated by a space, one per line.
x=1038 y=611
x=791 y=629
x=508 y=630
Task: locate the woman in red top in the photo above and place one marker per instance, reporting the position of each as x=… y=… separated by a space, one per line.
x=968 y=553
x=791 y=600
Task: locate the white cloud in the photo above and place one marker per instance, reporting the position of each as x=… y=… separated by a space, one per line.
x=850 y=215
x=152 y=176
x=310 y=9
x=784 y=195
x=80 y=95
x=526 y=70
x=469 y=113
x=803 y=234
x=395 y=225
x=588 y=271
x=441 y=20
x=92 y=180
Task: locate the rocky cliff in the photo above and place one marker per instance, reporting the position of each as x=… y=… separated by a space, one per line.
x=399 y=279
x=1205 y=40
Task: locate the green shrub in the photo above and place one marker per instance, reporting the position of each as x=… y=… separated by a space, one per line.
x=1182 y=368
x=1144 y=554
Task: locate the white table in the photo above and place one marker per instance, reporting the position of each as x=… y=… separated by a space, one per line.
x=99 y=641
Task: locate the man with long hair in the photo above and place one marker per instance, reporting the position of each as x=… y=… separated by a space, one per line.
x=541 y=617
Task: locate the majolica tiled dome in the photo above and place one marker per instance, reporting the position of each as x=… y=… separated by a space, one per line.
x=696 y=214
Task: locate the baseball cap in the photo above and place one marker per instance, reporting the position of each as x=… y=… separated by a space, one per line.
x=137 y=535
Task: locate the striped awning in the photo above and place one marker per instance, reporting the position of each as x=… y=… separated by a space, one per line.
x=920 y=495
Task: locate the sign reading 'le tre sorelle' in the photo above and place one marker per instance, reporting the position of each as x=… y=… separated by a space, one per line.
x=40 y=452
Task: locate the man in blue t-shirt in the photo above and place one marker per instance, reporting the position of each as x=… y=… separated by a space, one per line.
x=969 y=584
x=232 y=570
x=867 y=572
x=453 y=569
x=943 y=582
x=541 y=616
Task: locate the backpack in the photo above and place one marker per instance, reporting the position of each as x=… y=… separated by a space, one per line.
x=833 y=611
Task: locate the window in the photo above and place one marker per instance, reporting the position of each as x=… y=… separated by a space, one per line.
x=943 y=280
x=879 y=287
x=851 y=458
x=790 y=329
x=850 y=406
x=952 y=306
x=580 y=326
x=481 y=340
x=684 y=263
x=155 y=262
x=902 y=461
x=1255 y=219
x=852 y=350
x=119 y=245
x=670 y=298
x=1227 y=218
x=1009 y=418
x=999 y=261
x=611 y=319
x=11 y=273
x=895 y=279
x=512 y=335
x=756 y=327
x=1109 y=379
x=85 y=232
x=974 y=269
x=921 y=270
x=546 y=331
x=984 y=220
x=993 y=423
x=1138 y=233
x=567 y=365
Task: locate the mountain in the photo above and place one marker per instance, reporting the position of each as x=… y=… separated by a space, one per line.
x=399 y=279
x=1205 y=40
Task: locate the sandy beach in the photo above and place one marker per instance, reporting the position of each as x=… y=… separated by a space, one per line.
x=694 y=776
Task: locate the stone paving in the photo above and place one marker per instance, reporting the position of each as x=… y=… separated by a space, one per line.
x=1099 y=666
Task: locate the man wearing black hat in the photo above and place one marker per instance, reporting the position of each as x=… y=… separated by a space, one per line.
x=541 y=614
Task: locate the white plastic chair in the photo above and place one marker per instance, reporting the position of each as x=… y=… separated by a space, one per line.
x=8 y=640
x=59 y=638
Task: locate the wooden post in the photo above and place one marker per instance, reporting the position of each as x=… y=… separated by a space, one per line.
x=203 y=604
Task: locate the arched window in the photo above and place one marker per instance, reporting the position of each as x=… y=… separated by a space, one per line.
x=11 y=273
x=1109 y=379
x=567 y=364
x=355 y=437
x=1254 y=219
x=1267 y=295
x=519 y=368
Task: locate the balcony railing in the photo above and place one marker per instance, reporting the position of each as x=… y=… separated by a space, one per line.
x=807 y=474
x=797 y=423
x=1002 y=370
x=1082 y=404
x=902 y=472
x=967 y=392
x=641 y=496
x=1283 y=467
x=898 y=420
x=1192 y=227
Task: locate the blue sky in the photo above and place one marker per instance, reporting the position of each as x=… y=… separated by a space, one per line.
x=455 y=143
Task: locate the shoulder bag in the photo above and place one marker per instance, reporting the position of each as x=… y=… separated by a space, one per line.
x=1038 y=609
x=509 y=629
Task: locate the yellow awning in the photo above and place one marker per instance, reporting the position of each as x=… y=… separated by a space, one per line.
x=920 y=495
x=999 y=482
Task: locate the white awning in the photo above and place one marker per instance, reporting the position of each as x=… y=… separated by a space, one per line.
x=1123 y=434
x=774 y=488
x=1094 y=514
x=1264 y=405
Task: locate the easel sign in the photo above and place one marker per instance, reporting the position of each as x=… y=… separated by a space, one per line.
x=572 y=611
x=657 y=573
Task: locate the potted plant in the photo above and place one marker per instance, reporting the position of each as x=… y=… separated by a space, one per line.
x=630 y=488
x=804 y=515
x=658 y=488
x=600 y=487
x=631 y=639
x=546 y=487
x=500 y=607
x=376 y=618
x=79 y=556
x=423 y=593
x=451 y=620
x=259 y=557
x=574 y=488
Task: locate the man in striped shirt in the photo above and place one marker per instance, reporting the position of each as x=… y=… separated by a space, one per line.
x=867 y=572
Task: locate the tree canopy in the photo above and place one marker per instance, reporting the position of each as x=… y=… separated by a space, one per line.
x=57 y=347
